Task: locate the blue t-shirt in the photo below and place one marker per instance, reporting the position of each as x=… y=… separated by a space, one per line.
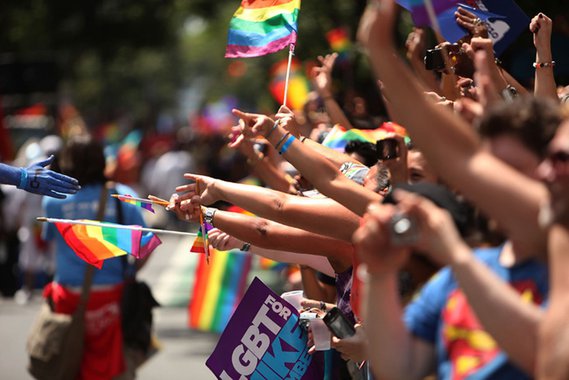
x=441 y=315
x=69 y=268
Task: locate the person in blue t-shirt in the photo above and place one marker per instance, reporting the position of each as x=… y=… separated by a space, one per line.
x=446 y=328
x=103 y=357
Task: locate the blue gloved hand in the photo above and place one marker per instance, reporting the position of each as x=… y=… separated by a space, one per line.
x=39 y=180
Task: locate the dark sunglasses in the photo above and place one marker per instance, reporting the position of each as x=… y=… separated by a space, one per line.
x=558 y=157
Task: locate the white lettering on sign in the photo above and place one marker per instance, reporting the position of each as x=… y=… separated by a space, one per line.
x=254 y=342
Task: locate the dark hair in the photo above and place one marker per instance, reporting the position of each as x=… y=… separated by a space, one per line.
x=382 y=178
x=532 y=120
x=363 y=148
x=83 y=158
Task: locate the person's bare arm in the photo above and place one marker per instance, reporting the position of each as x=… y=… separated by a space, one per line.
x=395 y=353
x=224 y=241
x=322 y=82
x=554 y=330
x=314 y=167
x=451 y=146
x=322 y=216
x=545 y=86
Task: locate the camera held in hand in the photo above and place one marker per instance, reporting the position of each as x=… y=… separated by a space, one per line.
x=404 y=230
x=387 y=149
x=458 y=61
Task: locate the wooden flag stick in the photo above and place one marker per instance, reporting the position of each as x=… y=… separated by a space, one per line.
x=112 y=225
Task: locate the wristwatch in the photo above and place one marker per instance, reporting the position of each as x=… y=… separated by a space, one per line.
x=209 y=214
x=245 y=247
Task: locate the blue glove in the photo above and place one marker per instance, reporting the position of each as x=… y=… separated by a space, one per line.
x=36 y=179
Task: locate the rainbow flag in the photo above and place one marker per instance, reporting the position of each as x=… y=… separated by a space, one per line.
x=218 y=289
x=136 y=202
x=199 y=242
x=94 y=244
x=261 y=27
x=339 y=40
x=298 y=87
x=339 y=136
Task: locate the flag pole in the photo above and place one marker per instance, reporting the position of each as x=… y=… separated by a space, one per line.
x=290 y=54
x=112 y=225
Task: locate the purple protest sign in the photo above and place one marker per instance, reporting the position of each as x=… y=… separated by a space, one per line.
x=263 y=340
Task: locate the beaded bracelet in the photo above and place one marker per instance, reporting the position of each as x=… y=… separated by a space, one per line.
x=281 y=140
x=539 y=65
x=272 y=129
x=287 y=144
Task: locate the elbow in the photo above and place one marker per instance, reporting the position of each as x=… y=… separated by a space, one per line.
x=278 y=206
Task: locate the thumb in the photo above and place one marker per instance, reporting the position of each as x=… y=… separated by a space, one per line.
x=45 y=162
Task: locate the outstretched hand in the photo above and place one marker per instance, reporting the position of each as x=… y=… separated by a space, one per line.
x=254 y=124
x=223 y=241
x=188 y=195
x=39 y=180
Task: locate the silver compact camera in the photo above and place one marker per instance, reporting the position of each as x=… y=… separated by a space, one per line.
x=404 y=230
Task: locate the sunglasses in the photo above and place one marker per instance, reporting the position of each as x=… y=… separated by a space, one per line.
x=559 y=157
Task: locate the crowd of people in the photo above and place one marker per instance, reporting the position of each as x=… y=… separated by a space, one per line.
x=447 y=254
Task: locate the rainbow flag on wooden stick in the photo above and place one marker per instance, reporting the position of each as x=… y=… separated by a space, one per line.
x=261 y=27
x=145 y=204
x=99 y=241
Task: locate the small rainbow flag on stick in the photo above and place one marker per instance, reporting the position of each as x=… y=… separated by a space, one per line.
x=261 y=27
x=140 y=202
x=99 y=241
x=199 y=245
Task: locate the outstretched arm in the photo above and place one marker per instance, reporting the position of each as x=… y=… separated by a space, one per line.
x=322 y=216
x=314 y=167
x=223 y=241
x=515 y=199
x=39 y=180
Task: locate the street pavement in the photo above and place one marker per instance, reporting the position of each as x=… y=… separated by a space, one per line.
x=184 y=351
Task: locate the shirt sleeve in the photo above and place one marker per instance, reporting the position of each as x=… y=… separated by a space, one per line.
x=423 y=314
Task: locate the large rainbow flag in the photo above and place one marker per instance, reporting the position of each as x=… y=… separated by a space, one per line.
x=95 y=243
x=339 y=136
x=218 y=288
x=261 y=27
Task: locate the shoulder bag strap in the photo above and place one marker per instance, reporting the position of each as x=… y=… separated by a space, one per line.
x=89 y=271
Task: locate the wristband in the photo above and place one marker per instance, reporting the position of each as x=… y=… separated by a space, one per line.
x=272 y=129
x=23 y=178
x=245 y=247
x=539 y=65
x=287 y=144
x=281 y=140
x=302 y=138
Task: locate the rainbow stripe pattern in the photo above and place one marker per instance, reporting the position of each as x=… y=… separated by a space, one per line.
x=128 y=199
x=199 y=245
x=339 y=136
x=261 y=27
x=96 y=243
x=218 y=289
